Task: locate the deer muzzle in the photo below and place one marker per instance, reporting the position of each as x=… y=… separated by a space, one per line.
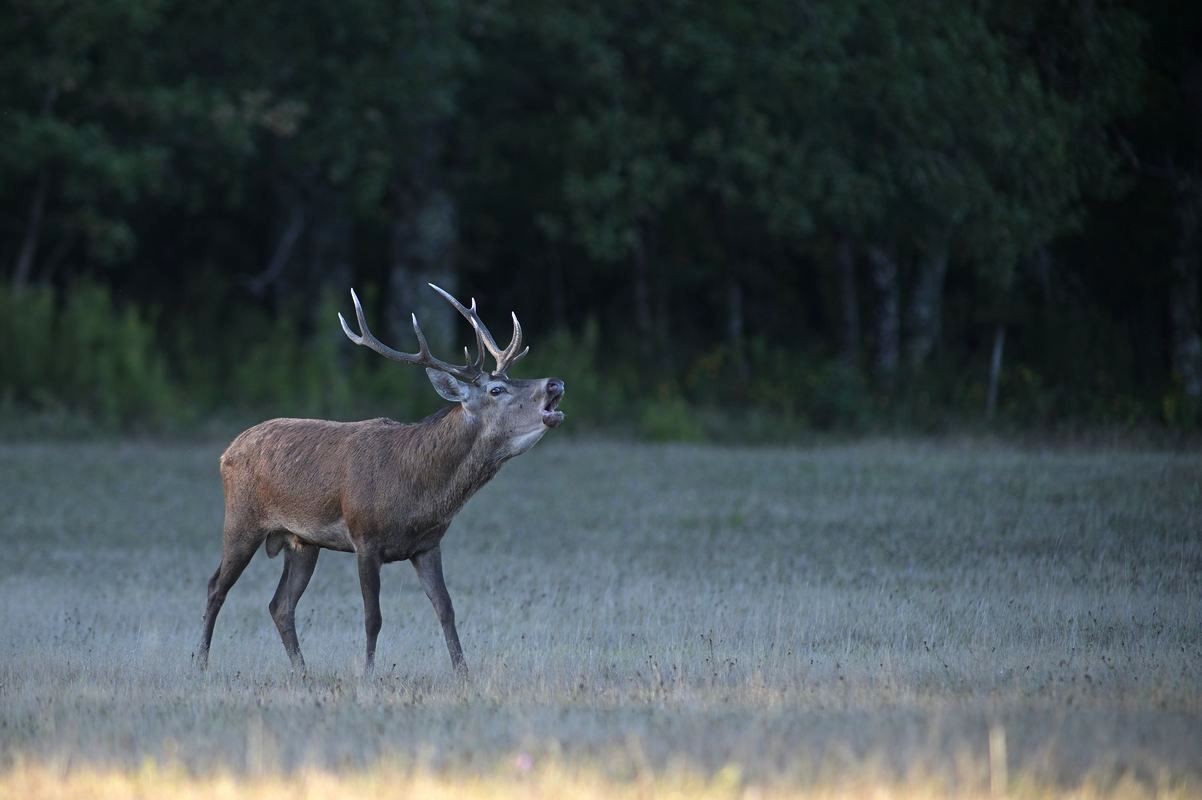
x=552 y=416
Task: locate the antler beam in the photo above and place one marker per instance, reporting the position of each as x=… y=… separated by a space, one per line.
x=422 y=358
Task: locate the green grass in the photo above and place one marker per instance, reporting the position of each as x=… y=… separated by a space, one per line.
x=801 y=616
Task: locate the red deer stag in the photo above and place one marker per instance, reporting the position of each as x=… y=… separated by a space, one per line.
x=380 y=489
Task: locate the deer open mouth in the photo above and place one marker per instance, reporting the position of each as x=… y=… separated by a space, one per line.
x=552 y=416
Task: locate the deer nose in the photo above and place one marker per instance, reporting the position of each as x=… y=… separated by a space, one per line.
x=554 y=387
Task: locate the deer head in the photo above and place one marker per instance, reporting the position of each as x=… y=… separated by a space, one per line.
x=514 y=414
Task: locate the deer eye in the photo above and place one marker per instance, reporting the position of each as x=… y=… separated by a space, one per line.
x=496 y=390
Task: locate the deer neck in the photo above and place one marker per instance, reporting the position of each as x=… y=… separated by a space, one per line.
x=455 y=460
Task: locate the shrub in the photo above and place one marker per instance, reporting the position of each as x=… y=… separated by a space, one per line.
x=87 y=355
x=669 y=419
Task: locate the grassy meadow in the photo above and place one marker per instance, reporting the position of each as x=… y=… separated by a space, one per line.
x=886 y=618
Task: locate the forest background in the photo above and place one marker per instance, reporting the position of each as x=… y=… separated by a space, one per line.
x=719 y=220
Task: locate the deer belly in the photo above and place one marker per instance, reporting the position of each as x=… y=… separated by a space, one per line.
x=405 y=545
x=333 y=536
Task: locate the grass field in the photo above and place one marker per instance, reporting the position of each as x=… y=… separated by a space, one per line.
x=889 y=618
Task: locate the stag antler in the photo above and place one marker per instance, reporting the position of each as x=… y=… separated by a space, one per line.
x=484 y=340
x=423 y=358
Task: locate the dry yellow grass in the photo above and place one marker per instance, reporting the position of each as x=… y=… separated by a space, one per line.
x=839 y=621
x=534 y=783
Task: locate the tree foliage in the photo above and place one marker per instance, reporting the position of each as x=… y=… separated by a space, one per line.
x=743 y=201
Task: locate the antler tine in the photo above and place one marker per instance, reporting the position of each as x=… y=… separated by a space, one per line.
x=359 y=313
x=423 y=348
x=515 y=342
x=479 y=362
x=422 y=357
x=484 y=339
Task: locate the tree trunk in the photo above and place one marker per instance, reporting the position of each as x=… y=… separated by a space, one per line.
x=329 y=248
x=284 y=248
x=58 y=254
x=925 y=317
x=661 y=320
x=27 y=255
x=643 y=319
x=849 y=300
x=423 y=244
x=559 y=292
x=995 y=370
x=885 y=277
x=1041 y=265
x=425 y=232
x=1183 y=297
x=735 y=328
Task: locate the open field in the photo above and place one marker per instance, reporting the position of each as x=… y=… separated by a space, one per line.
x=638 y=620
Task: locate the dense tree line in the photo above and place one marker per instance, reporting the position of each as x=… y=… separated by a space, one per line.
x=829 y=213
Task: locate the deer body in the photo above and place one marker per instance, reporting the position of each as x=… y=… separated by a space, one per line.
x=318 y=481
x=383 y=490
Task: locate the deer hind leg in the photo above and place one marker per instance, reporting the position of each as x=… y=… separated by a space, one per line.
x=300 y=559
x=237 y=548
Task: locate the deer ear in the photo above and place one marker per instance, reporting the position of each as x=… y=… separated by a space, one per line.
x=448 y=386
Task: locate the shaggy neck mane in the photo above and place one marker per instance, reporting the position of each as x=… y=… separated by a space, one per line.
x=446 y=458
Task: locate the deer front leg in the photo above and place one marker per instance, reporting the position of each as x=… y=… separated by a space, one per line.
x=429 y=570
x=369 y=583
